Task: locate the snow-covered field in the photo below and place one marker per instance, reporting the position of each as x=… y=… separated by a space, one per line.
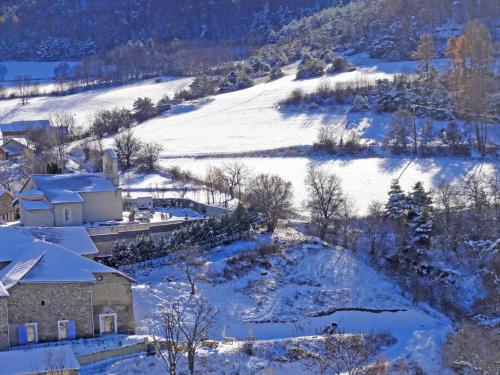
x=85 y=104
x=280 y=301
x=363 y=179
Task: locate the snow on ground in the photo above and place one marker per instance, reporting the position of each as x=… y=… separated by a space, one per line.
x=363 y=179
x=85 y=104
x=280 y=300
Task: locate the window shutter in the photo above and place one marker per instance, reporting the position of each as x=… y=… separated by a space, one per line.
x=71 y=329
x=22 y=336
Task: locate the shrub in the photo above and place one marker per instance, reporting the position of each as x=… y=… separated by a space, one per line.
x=360 y=103
x=310 y=68
x=235 y=80
x=276 y=73
x=295 y=97
x=144 y=109
x=268 y=249
x=340 y=64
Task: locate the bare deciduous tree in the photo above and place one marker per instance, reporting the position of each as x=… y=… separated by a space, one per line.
x=23 y=85
x=234 y=177
x=200 y=317
x=128 y=148
x=324 y=199
x=192 y=267
x=271 y=196
x=168 y=322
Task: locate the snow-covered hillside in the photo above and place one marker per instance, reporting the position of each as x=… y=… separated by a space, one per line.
x=85 y=104
x=291 y=297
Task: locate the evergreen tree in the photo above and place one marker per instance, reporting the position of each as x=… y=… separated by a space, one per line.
x=397 y=205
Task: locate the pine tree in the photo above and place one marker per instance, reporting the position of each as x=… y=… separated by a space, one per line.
x=397 y=205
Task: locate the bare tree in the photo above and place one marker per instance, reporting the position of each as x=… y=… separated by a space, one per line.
x=181 y=188
x=210 y=184
x=200 y=317
x=271 y=196
x=23 y=85
x=473 y=350
x=150 y=154
x=374 y=223
x=345 y=353
x=55 y=364
x=400 y=130
x=234 y=175
x=324 y=199
x=62 y=125
x=128 y=148
x=192 y=267
x=3 y=72
x=169 y=319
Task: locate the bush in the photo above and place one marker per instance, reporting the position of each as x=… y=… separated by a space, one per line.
x=107 y=122
x=144 y=109
x=360 y=103
x=276 y=73
x=327 y=140
x=267 y=249
x=236 y=80
x=310 y=67
x=296 y=97
x=340 y=64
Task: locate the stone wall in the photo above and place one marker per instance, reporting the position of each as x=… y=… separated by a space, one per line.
x=47 y=303
x=112 y=293
x=4 y=325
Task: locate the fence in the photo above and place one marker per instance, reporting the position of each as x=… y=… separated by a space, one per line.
x=123 y=351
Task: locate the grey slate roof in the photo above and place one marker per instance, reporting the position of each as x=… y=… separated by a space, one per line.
x=65 y=188
x=21 y=126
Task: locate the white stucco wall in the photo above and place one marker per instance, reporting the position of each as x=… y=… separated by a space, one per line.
x=102 y=206
x=36 y=218
x=75 y=214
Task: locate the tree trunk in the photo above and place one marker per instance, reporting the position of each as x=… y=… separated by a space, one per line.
x=191 y=354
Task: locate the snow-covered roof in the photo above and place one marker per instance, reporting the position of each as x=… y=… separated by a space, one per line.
x=3 y=291
x=31 y=193
x=16 y=238
x=35 y=205
x=15 y=146
x=20 y=362
x=111 y=153
x=4 y=191
x=65 y=188
x=20 y=126
x=45 y=262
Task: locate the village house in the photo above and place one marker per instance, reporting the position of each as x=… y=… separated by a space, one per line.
x=49 y=291
x=7 y=211
x=14 y=147
x=23 y=129
x=58 y=360
x=73 y=199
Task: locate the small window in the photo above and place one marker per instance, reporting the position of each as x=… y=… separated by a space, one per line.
x=67 y=214
x=42 y=303
x=32 y=332
x=62 y=329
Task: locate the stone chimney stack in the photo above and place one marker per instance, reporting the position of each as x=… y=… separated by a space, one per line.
x=110 y=166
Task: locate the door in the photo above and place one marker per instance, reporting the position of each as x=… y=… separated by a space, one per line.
x=62 y=329
x=107 y=323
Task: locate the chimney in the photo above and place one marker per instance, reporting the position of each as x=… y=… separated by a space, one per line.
x=110 y=166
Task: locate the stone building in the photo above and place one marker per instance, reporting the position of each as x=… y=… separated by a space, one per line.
x=14 y=147
x=7 y=211
x=49 y=292
x=73 y=199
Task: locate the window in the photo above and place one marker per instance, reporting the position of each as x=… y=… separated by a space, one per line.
x=27 y=333
x=62 y=329
x=32 y=332
x=67 y=214
x=107 y=323
x=66 y=329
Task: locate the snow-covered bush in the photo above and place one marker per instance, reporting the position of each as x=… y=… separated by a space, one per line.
x=235 y=80
x=310 y=67
x=360 y=103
